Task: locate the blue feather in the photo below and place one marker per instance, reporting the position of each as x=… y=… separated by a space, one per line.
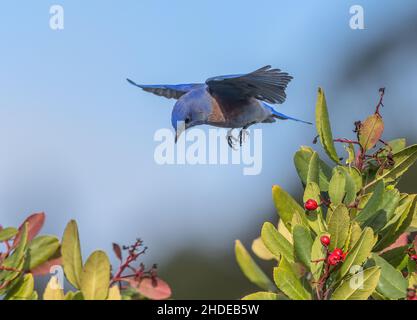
x=282 y=116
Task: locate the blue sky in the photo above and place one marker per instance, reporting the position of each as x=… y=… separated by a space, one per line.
x=77 y=140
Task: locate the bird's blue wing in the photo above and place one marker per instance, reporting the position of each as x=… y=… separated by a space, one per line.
x=265 y=84
x=168 y=90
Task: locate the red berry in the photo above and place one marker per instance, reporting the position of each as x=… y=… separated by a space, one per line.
x=311 y=205
x=411 y=294
x=333 y=259
x=413 y=257
x=338 y=252
x=325 y=240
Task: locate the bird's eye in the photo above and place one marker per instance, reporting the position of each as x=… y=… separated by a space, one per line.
x=187 y=120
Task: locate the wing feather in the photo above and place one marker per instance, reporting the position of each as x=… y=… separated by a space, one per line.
x=170 y=91
x=264 y=84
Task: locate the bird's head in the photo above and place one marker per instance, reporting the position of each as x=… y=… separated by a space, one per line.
x=187 y=113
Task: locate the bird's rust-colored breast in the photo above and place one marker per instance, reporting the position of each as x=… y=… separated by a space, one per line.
x=216 y=115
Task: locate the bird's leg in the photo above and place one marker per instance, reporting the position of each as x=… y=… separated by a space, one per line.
x=244 y=133
x=231 y=139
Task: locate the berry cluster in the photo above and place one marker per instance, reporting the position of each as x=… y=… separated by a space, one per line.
x=334 y=257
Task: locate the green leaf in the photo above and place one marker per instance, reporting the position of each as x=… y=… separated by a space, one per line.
x=371 y=207
x=397 y=257
x=359 y=253
x=337 y=184
x=7 y=233
x=286 y=206
x=302 y=161
x=71 y=254
x=313 y=169
x=339 y=227
x=351 y=184
x=358 y=286
x=314 y=218
x=114 y=293
x=403 y=160
x=17 y=259
x=355 y=234
x=287 y=281
x=262 y=295
x=392 y=284
x=318 y=252
x=261 y=251
x=371 y=131
x=386 y=209
x=276 y=242
x=95 y=278
x=323 y=127
x=53 y=290
x=302 y=244
x=40 y=250
x=407 y=210
x=251 y=269
x=23 y=289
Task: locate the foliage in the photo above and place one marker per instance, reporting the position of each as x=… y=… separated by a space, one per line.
x=27 y=255
x=351 y=240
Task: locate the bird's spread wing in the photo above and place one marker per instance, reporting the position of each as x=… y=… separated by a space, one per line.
x=264 y=84
x=168 y=90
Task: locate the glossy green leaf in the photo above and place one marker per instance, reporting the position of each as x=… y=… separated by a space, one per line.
x=371 y=131
x=287 y=281
x=318 y=252
x=251 y=269
x=17 y=259
x=385 y=212
x=313 y=169
x=351 y=184
x=358 y=286
x=53 y=290
x=71 y=254
x=40 y=250
x=392 y=284
x=337 y=188
x=338 y=227
x=323 y=126
x=359 y=253
x=95 y=277
x=7 y=233
x=373 y=204
x=407 y=211
x=261 y=251
x=302 y=244
x=276 y=242
x=286 y=206
x=262 y=295
x=314 y=218
x=302 y=160
x=22 y=290
x=397 y=257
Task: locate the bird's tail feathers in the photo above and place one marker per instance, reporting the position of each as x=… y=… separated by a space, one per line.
x=282 y=116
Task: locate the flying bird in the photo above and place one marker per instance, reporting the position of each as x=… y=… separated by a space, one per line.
x=231 y=101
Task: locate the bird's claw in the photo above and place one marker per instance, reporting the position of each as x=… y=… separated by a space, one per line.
x=231 y=140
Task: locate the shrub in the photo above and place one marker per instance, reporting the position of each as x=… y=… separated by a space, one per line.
x=27 y=255
x=349 y=241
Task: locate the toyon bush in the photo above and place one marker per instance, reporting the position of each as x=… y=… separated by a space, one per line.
x=352 y=237
x=27 y=255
